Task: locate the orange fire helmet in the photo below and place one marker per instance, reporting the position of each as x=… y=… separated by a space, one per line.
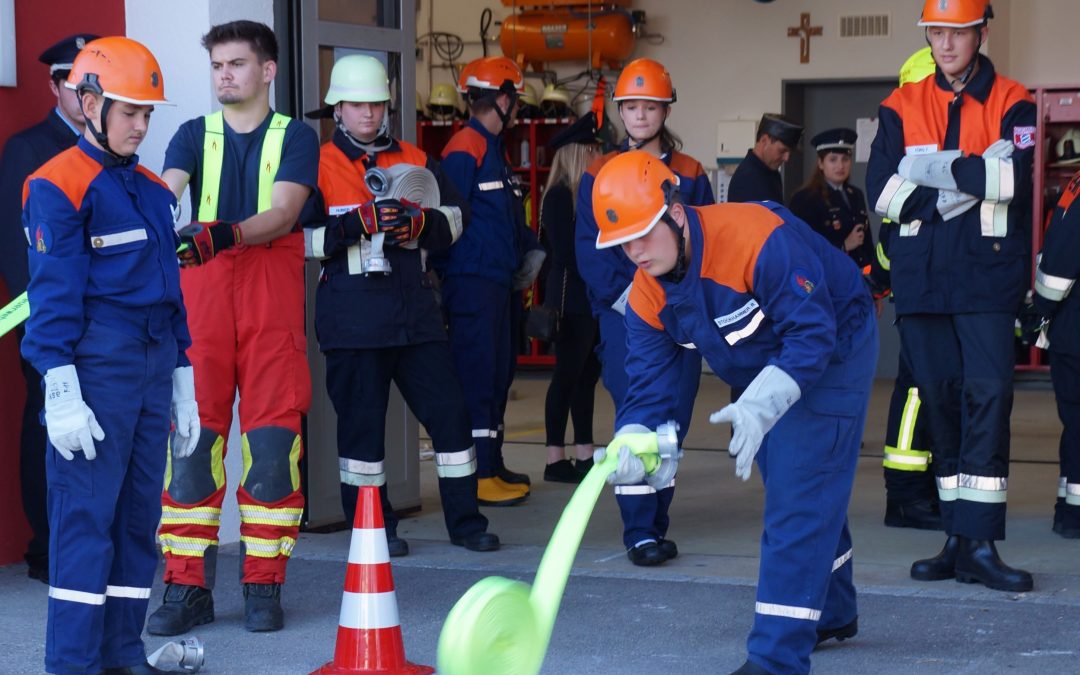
x=118 y=68
x=491 y=72
x=631 y=194
x=955 y=13
x=644 y=79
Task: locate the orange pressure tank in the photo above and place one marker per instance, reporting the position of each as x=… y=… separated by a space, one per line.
x=534 y=37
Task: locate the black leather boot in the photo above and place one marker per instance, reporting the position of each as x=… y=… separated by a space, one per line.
x=840 y=633
x=183 y=608
x=941 y=566
x=262 y=608
x=922 y=514
x=977 y=562
x=750 y=668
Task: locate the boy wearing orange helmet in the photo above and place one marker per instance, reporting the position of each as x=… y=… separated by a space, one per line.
x=644 y=94
x=108 y=332
x=496 y=256
x=774 y=309
x=952 y=162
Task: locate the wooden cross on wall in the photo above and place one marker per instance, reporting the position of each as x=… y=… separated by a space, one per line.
x=804 y=31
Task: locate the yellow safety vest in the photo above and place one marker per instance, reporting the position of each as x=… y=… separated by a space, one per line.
x=214 y=154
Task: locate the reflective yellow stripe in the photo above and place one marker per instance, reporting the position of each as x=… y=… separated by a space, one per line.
x=186 y=546
x=261 y=515
x=214 y=155
x=882 y=258
x=906 y=460
x=171 y=515
x=268 y=548
x=294 y=462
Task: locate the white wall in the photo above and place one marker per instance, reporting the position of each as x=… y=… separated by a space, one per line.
x=173 y=32
x=729 y=57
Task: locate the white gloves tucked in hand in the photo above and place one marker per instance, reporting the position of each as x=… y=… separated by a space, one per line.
x=185 y=412
x=71 y=424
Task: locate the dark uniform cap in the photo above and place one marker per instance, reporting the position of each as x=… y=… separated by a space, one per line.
x=780 y=128
x=62 y=55
x=838 y=140
x=582 y=131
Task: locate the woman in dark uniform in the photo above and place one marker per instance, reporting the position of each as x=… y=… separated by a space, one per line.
x=833 y=207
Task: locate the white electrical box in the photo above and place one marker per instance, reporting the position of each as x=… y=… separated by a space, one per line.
x=733 y=139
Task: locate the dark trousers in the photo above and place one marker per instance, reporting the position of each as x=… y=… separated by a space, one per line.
x=358 y=382
x=573 y=383
x=907 y=441
x=32 y=466
x=963 y=366
x=1065 y=374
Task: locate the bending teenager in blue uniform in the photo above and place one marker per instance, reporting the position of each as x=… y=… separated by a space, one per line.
x=644 y=93
x=776 y=310
x=108 y=332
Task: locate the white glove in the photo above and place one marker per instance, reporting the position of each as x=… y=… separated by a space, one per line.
x=930 y=170
x=71 y=424
x=765 y=401
x=952 y=203
x=530 y=269
x=629 y=442
x=999 y=149
x=185 y=412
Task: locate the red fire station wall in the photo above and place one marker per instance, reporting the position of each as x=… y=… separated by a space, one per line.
x=37 y=25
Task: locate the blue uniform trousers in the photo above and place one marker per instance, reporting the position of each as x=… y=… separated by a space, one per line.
x=963 y=365
x=1065 y=374
x=807 y=462
x=478 y=313
x=644 y=509
x=104 y=513
x=358 y=382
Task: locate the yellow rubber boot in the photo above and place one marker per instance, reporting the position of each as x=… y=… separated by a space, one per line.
x=494 y=492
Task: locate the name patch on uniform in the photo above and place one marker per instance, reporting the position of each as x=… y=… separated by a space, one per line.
x=801 y=282
x=1023 y=137
x=738 y=314
x=921 y=149
x=340 y=210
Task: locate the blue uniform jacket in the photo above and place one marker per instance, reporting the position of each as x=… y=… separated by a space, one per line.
x=762 y=289
x=24 y=153
x=835 y=216
x=1059 y=266
x=980 y=260
x=608 y=272
x=753 y=181
x=475 y=160
x=102 y=248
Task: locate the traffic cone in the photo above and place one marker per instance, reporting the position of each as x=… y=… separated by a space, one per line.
x=369 y=632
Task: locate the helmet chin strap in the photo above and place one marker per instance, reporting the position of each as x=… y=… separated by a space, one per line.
x=635 y=144
x=678 y=273
x=381 y=142
x=102 y=135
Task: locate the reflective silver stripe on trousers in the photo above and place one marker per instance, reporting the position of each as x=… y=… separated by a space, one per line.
x=315 y=243
x=358 y=472
x=76 y=596
x=635 y=490
x=787 y=611
x=485 y=433
x=455 y=464
x=1051 y=287
x=1072 y=494
x=839 y=562
x=127 y=592
x=985 y=489
x=748 y=330
x=892 y=198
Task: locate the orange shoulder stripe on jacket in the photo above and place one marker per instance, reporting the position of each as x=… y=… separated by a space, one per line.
x=598 y=163
x=647 y=298
x=152 y=176
x=467 y=140
x=734 y=235
x=72 y=171
x=685 y=165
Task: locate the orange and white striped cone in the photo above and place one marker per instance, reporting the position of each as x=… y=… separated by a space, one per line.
x=369 y=632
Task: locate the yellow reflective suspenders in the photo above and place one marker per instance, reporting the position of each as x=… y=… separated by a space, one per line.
x=214 y=154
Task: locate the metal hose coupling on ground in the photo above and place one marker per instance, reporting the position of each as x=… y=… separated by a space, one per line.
x=185 y=656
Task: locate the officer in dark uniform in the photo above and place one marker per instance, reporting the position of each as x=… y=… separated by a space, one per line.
x=23 y=154
x=758 y=175
x=1054 y=280
x=832 y=206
